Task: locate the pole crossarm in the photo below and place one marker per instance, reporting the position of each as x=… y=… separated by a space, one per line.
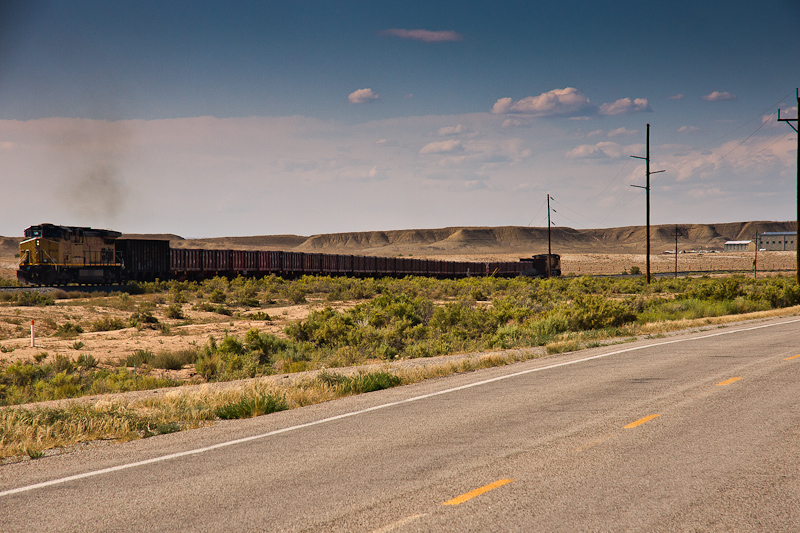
x=787 y=120
x=647 y=191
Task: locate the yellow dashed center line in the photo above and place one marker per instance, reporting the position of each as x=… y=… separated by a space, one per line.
x=727 y=381
x=641 y=421
x=792 y=357
x=477 y=492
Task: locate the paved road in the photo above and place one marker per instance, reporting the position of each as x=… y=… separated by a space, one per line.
x=693 y=432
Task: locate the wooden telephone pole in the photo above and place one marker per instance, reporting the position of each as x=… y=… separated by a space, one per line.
x=549 y=249
x=647 y=190
x=676 y=235
x=794 y=127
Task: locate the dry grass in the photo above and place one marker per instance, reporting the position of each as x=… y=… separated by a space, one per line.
x=29 y=431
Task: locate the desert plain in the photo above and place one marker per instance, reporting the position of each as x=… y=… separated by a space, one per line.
x=583 y=252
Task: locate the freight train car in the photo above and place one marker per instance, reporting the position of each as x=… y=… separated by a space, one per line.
x=144 y=259
x=59 y=255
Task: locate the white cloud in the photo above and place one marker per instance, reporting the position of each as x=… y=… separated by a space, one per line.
x=502 y=105
x=442 y=147
x=771 y=155
x=516 y=122
x=622 y=131
x=676 y=96
x=565 y=101
x=604 y=150
x=688 y=129
x=325 y=175
x=706 y=193
x=601 y=150
x=717 y=96
x=424 y=35
x=625 y=105
x=450 y=130
x=362 y=96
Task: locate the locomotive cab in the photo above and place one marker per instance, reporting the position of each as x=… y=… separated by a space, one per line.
x=57 y=255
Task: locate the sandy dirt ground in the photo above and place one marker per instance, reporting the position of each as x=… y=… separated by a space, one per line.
x=108 y=346
x=113 y=345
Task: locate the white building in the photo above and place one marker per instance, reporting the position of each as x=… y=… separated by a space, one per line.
x=740 y=246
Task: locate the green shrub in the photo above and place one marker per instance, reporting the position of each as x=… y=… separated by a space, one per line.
x=134 y=287
x=86 y=361
x=360 y=383
x=265 y=345
x=108 y=323
x=210 y=308
x=174 y=311
x=33 y=298
x=217 y=297
x=252 y=405
x=296 y=294
x=596 y=312
x=68 y=329
x=137 y=358
x=173 y=360
x=141 y=318
x=231 y=345
x=780 y=293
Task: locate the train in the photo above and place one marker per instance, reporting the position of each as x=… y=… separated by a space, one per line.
x=52 y=255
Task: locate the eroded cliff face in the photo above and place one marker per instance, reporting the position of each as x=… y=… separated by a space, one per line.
x=504 y=239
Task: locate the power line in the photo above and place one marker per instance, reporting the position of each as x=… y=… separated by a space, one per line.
x=577 y=213
x=713 y=163
x=537 y=213
x=748 y=122
x=615 y=177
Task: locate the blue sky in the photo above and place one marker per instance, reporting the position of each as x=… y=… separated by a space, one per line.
x=240 y=118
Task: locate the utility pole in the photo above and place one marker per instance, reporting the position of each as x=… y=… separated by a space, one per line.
x=549 y=249
x=647 y=190
x=794 y=127
x=755 y=258
x=676 y=235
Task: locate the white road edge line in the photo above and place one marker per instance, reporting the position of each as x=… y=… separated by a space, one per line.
x=363 y=411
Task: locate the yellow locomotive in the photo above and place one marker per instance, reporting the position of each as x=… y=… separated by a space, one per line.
x=57 y=255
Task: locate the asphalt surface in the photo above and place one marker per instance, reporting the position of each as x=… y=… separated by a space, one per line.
x=696 y=432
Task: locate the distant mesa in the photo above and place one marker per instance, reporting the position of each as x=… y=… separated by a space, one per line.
x=492 y=240
x=455 y=241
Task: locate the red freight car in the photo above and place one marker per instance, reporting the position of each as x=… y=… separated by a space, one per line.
x=244 y=262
